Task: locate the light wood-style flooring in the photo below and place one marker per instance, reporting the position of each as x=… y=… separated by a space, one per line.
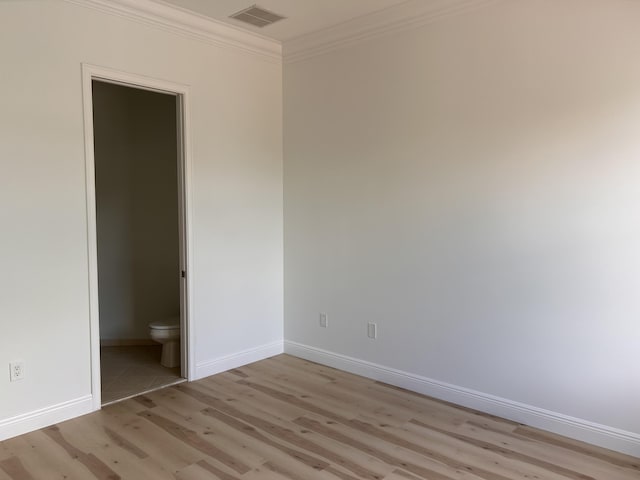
x=286 y=418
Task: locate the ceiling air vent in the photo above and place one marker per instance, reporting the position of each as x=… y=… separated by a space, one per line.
x=256 y=16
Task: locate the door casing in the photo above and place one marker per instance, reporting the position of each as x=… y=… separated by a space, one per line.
x=93 y=72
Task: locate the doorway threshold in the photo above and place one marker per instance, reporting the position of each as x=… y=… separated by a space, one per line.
x=171 y=384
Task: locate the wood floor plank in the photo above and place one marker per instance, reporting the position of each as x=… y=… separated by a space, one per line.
x=285 y=434
x=221 y=474
x=14 y=446
x=390 y=459
x=508 y=453
x=296 y=471
x=311 y=367
x=238 y=372
x=337 y=431
x=249 y=440
x=457 y=455
x=192 y=439
x=336 y=472
x=125 y=444
x=613 y=458
x=263 y=472
x=210 y=430
x=248 y=396
x=145 y=401
x=4 y=475
x=391 y=395
x=277 y=429
x=570 y=459
x=284 y=472
x=97 y=467
x=285 y=418
x=401 y=475
x=45 y=459
x=247 y=429
x=160 y=446
x=383 y=435
x=14 y=468
x=331 y=396
x=365 y=468
x=112 y=448
x=203 y=471
x=435 y=403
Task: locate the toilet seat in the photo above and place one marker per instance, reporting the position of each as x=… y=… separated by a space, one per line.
x=165 y=324
x=165 y=329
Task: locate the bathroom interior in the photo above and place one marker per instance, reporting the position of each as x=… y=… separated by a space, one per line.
x=138 y=239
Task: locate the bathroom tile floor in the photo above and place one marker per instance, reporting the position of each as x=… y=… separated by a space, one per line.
x=131 y=370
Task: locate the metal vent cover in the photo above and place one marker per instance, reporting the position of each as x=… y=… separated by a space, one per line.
x=256 y=16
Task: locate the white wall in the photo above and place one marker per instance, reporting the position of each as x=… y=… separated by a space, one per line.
x=135 y=137
x=473 y=186
x=236 y=132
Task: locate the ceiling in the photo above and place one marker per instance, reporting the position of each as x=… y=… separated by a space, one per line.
x=303 y=16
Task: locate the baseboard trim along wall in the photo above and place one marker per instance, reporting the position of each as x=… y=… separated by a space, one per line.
x=14 y=426
x=578 y=429
x=239 y=359
x=28 y=422
x=127 y=342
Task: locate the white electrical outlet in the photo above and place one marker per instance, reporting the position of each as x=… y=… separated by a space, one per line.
x=372 y=330
x=324 y=320
x=16 y=371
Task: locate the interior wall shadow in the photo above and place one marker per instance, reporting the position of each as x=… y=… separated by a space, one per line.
x=135 y=135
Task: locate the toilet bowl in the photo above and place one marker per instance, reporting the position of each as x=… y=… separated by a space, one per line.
x=167 y=332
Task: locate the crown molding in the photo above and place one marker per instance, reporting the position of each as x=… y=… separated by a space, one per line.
x=405 y=16
x=184 y=22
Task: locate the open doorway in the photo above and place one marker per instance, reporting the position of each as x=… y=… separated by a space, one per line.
x=137 y=236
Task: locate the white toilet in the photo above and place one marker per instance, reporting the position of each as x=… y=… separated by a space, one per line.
x=167 y=332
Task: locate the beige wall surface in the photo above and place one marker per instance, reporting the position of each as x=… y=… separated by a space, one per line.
x=473 y=187
x=236 y=197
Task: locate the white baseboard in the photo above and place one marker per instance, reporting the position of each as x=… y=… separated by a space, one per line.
x=28 y=422
x=239 y=359
x=128 y=342
x=583 y=430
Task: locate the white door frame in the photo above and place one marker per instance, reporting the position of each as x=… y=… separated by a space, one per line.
x=93 y=72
